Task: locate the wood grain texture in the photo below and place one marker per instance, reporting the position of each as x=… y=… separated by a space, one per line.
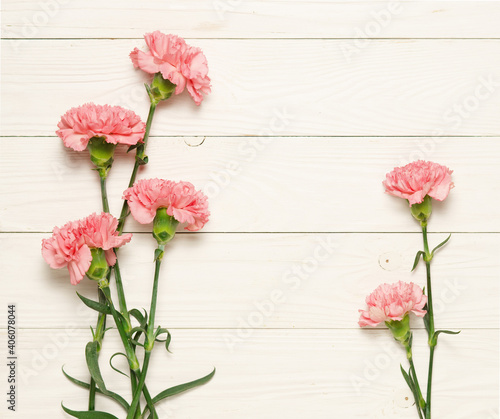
x=276 y=373
x=251 y=19
x=260 y=184
x=269 y=87
x=245 y=281
x=312 y=103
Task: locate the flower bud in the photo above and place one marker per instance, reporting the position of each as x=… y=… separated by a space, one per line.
x=99 y=268
x=160 y=89
x=400 y=329
x=164 y=226
x=101 y=154
x=421 y=212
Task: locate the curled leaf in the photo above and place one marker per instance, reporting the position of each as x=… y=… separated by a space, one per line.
x=111 y=363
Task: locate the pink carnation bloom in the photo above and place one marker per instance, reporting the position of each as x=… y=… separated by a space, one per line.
x=181 y=200
x=99 y=231
x=392 y=302
x=184 y=65
x=116 y=124
x=70 y=245
x=418 y=179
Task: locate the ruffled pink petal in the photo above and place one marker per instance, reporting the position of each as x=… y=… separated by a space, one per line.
x=180 y=199
x=418 y=179
x=79 y=266
x=392 y=302
x=183 y=65
x=114 y=123
x=110 y=257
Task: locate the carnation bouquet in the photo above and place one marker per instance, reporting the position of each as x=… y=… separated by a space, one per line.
x=418 y=182
x=89 y=247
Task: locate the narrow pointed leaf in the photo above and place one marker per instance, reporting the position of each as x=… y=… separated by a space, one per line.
x=448 y=332
x=408 y=379
x=440 y=245
x=183 y=387
x=88 y=414
x=133 y=147
x=94 y=305
x=92 y=359
x=417 y=259
x=112 y=366
x=116 y=397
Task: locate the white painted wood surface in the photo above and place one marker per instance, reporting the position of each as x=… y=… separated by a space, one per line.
x=263 y=184
x=251 y=19
x=312 y=103
x=270 y=87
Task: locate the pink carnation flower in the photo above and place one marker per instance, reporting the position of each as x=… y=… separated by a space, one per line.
x=181 y=200
x=392 y=302
x=184 y=65
x=70 y=245
x=99 y=231
x=116 y=124
x=418 y=179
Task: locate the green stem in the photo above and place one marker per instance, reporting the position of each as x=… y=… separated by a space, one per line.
x=429 y=383
x=92 y=394
x=139 y=155
x=418 y=396
x=132 y=359
x=142 y=378
x=154 y=297
x=104 y=194
x=121 y=296
x=430 y=316
x=101 y=318
x=150 y=338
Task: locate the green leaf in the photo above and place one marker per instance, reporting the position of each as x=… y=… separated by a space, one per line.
x=417 y=259
x=116 y=397
x=427 y=320
x=111 y=363
x=92 y=358
x=142 y=319
x=183 y=387
x=448 y=332
x=94 y=305
x=167 y=340
x=133 y=147
x=94 y=414
x=408 y=380
x=138 y=329
x=440 y=245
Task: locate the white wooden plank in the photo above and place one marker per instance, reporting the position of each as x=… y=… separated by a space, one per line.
x=269 y=87
x=260 y=184
x=290 y=374
x=251 y=19
x=246 y=281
